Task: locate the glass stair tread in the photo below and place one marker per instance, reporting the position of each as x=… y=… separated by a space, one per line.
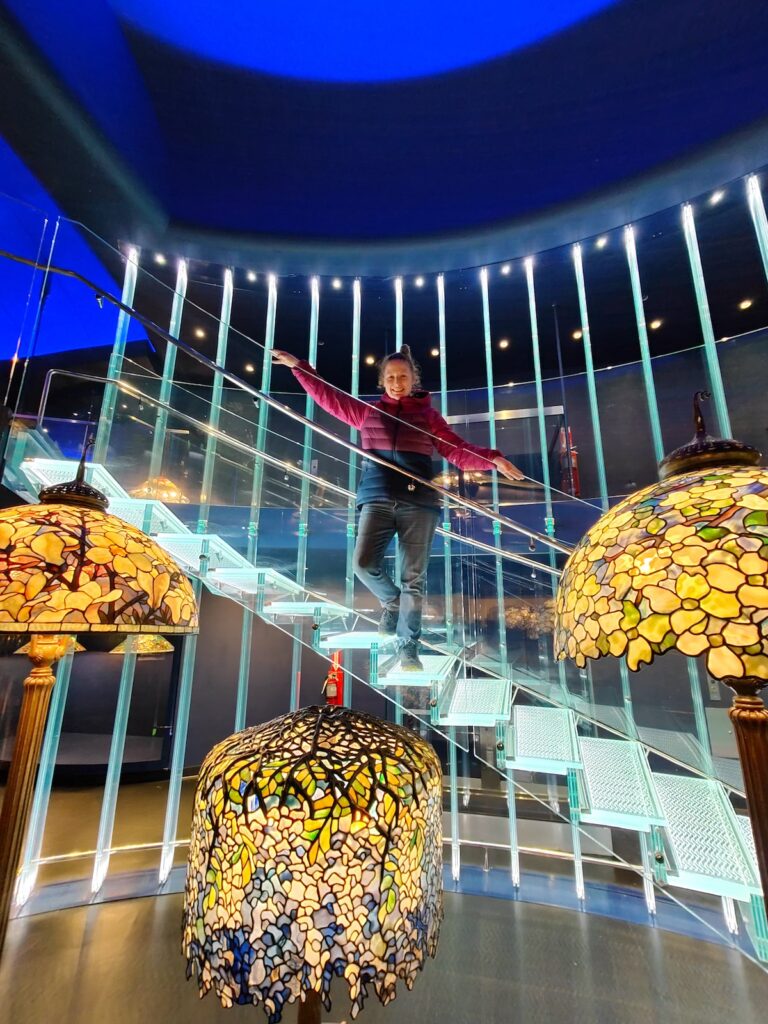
x=482 y=702
x=437 y=668
x=618 y=787
x=705 y=839
x=355 y=640
x=47 y=472
x=744 y=825
x=250 y=580
x=187 y=548
x=147 y=514
x=542 y=740
x=295 y=608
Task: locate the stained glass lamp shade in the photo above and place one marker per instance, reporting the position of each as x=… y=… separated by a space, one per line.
x=68 y=567
x=316 y=850
x=683 y=565
x=161 y=489
x=146 y=643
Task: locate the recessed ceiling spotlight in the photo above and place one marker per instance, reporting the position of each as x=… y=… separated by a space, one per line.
x=199 y=332
x=655 y=324
x=419 y=282
x=336 y=282
x=577 y=335
x=716 y=197
x=602 y=241
x=434 y=351
x=506 y=268
x=249 y=368
x=159 y=258
x=250 y=276
x=370 y=360
x=504 y=343
x=745 y=303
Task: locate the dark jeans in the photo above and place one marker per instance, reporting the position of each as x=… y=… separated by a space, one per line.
x=415 y=527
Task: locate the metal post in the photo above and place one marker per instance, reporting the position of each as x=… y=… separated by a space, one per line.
x=169 y=368
x=244 y=669
x=34 y=840
x=757 y=210
x=642 y=337
x=112 y=783
x=591 y=387
x=306 y=455
x=494 y=475
x=109 y=398
x=211 y=441
x=710 y=348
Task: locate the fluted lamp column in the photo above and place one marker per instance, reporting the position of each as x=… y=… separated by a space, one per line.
x=683 y=565
x=68 y=567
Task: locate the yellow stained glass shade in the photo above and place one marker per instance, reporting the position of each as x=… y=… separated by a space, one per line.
x=71 y=569
x=146 y=643
x=680 y=565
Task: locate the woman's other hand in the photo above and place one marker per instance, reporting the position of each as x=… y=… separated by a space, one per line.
x=508 y=469
x=284 y=358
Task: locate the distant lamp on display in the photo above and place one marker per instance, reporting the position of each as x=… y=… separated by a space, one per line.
x=160 y=488
x=683 y=565
x=316 y=851
x=67 y=567
x=77 y=648
x=147 y=643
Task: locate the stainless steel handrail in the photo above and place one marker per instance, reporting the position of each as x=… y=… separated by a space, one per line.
x=272 y=460
x=473 y=506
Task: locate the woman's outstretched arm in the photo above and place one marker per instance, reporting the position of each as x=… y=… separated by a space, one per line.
x=344 y=407
x=465 y=455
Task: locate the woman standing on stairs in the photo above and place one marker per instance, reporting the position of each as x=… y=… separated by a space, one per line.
x=403 y=428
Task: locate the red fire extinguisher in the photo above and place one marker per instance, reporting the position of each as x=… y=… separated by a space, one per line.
x=333 y=687
x=569 y=464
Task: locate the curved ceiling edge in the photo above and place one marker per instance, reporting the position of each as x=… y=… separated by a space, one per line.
x=729 y=159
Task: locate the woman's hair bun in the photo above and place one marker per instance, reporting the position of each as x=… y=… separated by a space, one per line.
x=405 y=350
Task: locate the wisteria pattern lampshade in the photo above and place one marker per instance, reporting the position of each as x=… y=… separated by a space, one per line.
x=680 y=565
x=316 y=850
x=69 y=569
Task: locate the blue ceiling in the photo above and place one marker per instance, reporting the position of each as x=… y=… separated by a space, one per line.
x=302 y=128
x=368 y=41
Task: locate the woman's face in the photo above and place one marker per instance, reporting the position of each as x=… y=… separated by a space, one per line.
x=397 y=379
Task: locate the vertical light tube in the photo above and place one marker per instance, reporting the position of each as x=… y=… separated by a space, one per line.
x=112 y=783
x=705 y=318
x=244 y=669
x=642 y=337
x=453 y=778
x=514 y=847
x=109 y=399
x=180 y=728
x=211 y=441
x=494 y=475
x=757 y=211
x=349 y=577
x=306 y=456
x=398 y=313
x=700 y=717
x=169 y=368
x=34 y=840
x=591 y=387
x=447 y=553
x=549 y=522
x=574 y=805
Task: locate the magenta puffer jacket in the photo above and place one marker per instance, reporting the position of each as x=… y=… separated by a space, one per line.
x=405 y=432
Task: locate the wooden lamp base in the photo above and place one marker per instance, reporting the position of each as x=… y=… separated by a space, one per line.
x=750 y=724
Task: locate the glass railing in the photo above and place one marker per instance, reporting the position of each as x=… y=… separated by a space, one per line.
x=236 y=474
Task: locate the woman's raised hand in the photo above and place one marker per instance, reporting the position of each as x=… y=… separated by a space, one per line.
x=508 y=469
x=284 y=358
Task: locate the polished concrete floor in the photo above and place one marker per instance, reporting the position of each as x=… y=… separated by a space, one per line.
x=498 y=961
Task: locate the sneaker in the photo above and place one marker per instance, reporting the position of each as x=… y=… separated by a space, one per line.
x=409 y=657
x=388 y=622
